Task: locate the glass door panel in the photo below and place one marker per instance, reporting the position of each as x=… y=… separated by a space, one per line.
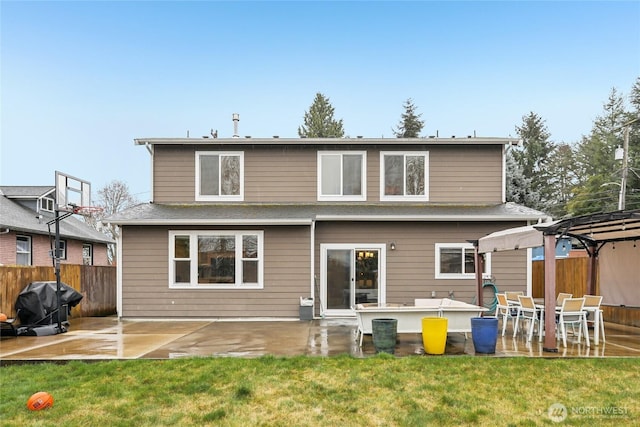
x=339 y=278
x=367 y=284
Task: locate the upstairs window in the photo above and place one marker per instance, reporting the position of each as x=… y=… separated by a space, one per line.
x=219 y=176
x=341 y=175
x=216 y=259
x=46 y=204
x=404 y=176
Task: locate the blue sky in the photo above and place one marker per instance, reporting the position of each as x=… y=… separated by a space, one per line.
x=80 y=80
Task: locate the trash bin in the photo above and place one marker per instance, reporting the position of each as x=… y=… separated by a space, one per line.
x=434 y=334
x=484 y=332
x=306 y=308
x=385 y=333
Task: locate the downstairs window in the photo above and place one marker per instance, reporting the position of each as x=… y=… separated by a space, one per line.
x=456 y=261
x=216 y=259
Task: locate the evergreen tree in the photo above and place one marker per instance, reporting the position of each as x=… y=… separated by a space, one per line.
x=633 y=183
x=598 y=173
x=410 y=124
x=518 y=185
x=534 y=156
x=319 y=121
x=562 y=180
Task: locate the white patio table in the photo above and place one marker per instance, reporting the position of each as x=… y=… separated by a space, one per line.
x=409 y=317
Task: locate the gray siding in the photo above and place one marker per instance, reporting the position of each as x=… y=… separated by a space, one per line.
x=146 y=290
x=457 y=174
x=287 y=268
x=411 y=267
x=466 y=174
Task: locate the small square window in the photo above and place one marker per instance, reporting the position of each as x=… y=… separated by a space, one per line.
x=457 y=261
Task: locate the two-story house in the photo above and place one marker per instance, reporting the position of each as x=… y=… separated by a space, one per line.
x=244 y=227
x=26 y=231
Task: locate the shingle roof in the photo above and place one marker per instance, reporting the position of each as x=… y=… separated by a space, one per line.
x=286 y=213
x=19 y=218
x=25 y=191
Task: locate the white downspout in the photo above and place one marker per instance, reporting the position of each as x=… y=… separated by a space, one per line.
x=119 y=267
x=313 y=265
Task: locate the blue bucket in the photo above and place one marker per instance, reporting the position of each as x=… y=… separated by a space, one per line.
x=484 y=332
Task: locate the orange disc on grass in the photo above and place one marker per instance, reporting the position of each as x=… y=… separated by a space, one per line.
x=40 y=400
x=3 y=317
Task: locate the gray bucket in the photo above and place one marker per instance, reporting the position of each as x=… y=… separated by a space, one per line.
x=385 y=333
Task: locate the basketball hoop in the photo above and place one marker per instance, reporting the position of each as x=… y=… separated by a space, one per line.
x=87 y=211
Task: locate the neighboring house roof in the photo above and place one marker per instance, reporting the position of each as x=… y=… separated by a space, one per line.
x=306 y=213
x=16 y=217
x=26 y=191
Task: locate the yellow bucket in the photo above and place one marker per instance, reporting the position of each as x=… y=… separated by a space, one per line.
x=434 y=334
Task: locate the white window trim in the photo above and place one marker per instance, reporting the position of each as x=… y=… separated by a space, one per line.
x=222 y=198
x=438 y=275
x=363 y=178
x=193 y=252
x=46 y=204
x=62 y=249
x=90 y=259
x=425 y=196
x=28 y=252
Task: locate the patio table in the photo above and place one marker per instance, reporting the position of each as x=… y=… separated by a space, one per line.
x=409 y=317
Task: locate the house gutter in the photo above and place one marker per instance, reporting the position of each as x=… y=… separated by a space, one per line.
x=173 y=222
x=460 y=218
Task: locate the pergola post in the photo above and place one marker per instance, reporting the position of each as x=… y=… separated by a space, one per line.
x=550 y=343
x=479 y=264
x=592 y=272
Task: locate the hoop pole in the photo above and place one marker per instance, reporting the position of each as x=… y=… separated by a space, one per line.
x=56 y=257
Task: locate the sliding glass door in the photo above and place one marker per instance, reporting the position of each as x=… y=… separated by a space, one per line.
x=351 y=274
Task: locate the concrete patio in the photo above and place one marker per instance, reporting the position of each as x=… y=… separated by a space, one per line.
x=107 y=338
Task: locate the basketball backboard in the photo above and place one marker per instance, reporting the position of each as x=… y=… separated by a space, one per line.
x=71 y=192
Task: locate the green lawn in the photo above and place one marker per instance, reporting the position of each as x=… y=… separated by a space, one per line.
x=337 y=391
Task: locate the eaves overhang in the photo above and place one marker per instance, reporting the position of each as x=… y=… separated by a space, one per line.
x=426 y=218
x=328 y=141
x=308 y=213
x=190 y=222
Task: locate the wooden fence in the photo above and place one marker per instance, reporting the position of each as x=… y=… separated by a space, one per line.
x=97 y=284
x=571 y=277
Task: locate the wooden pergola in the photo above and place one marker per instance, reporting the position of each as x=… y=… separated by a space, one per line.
x=593 y=231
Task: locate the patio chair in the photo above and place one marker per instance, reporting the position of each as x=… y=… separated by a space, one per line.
x=561 y=297
x=512 y=296
x=571 y=313
x=592 y=303
x=505 y=312
x=529 y=312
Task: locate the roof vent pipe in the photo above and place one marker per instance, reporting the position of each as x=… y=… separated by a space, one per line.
x=236 y=119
